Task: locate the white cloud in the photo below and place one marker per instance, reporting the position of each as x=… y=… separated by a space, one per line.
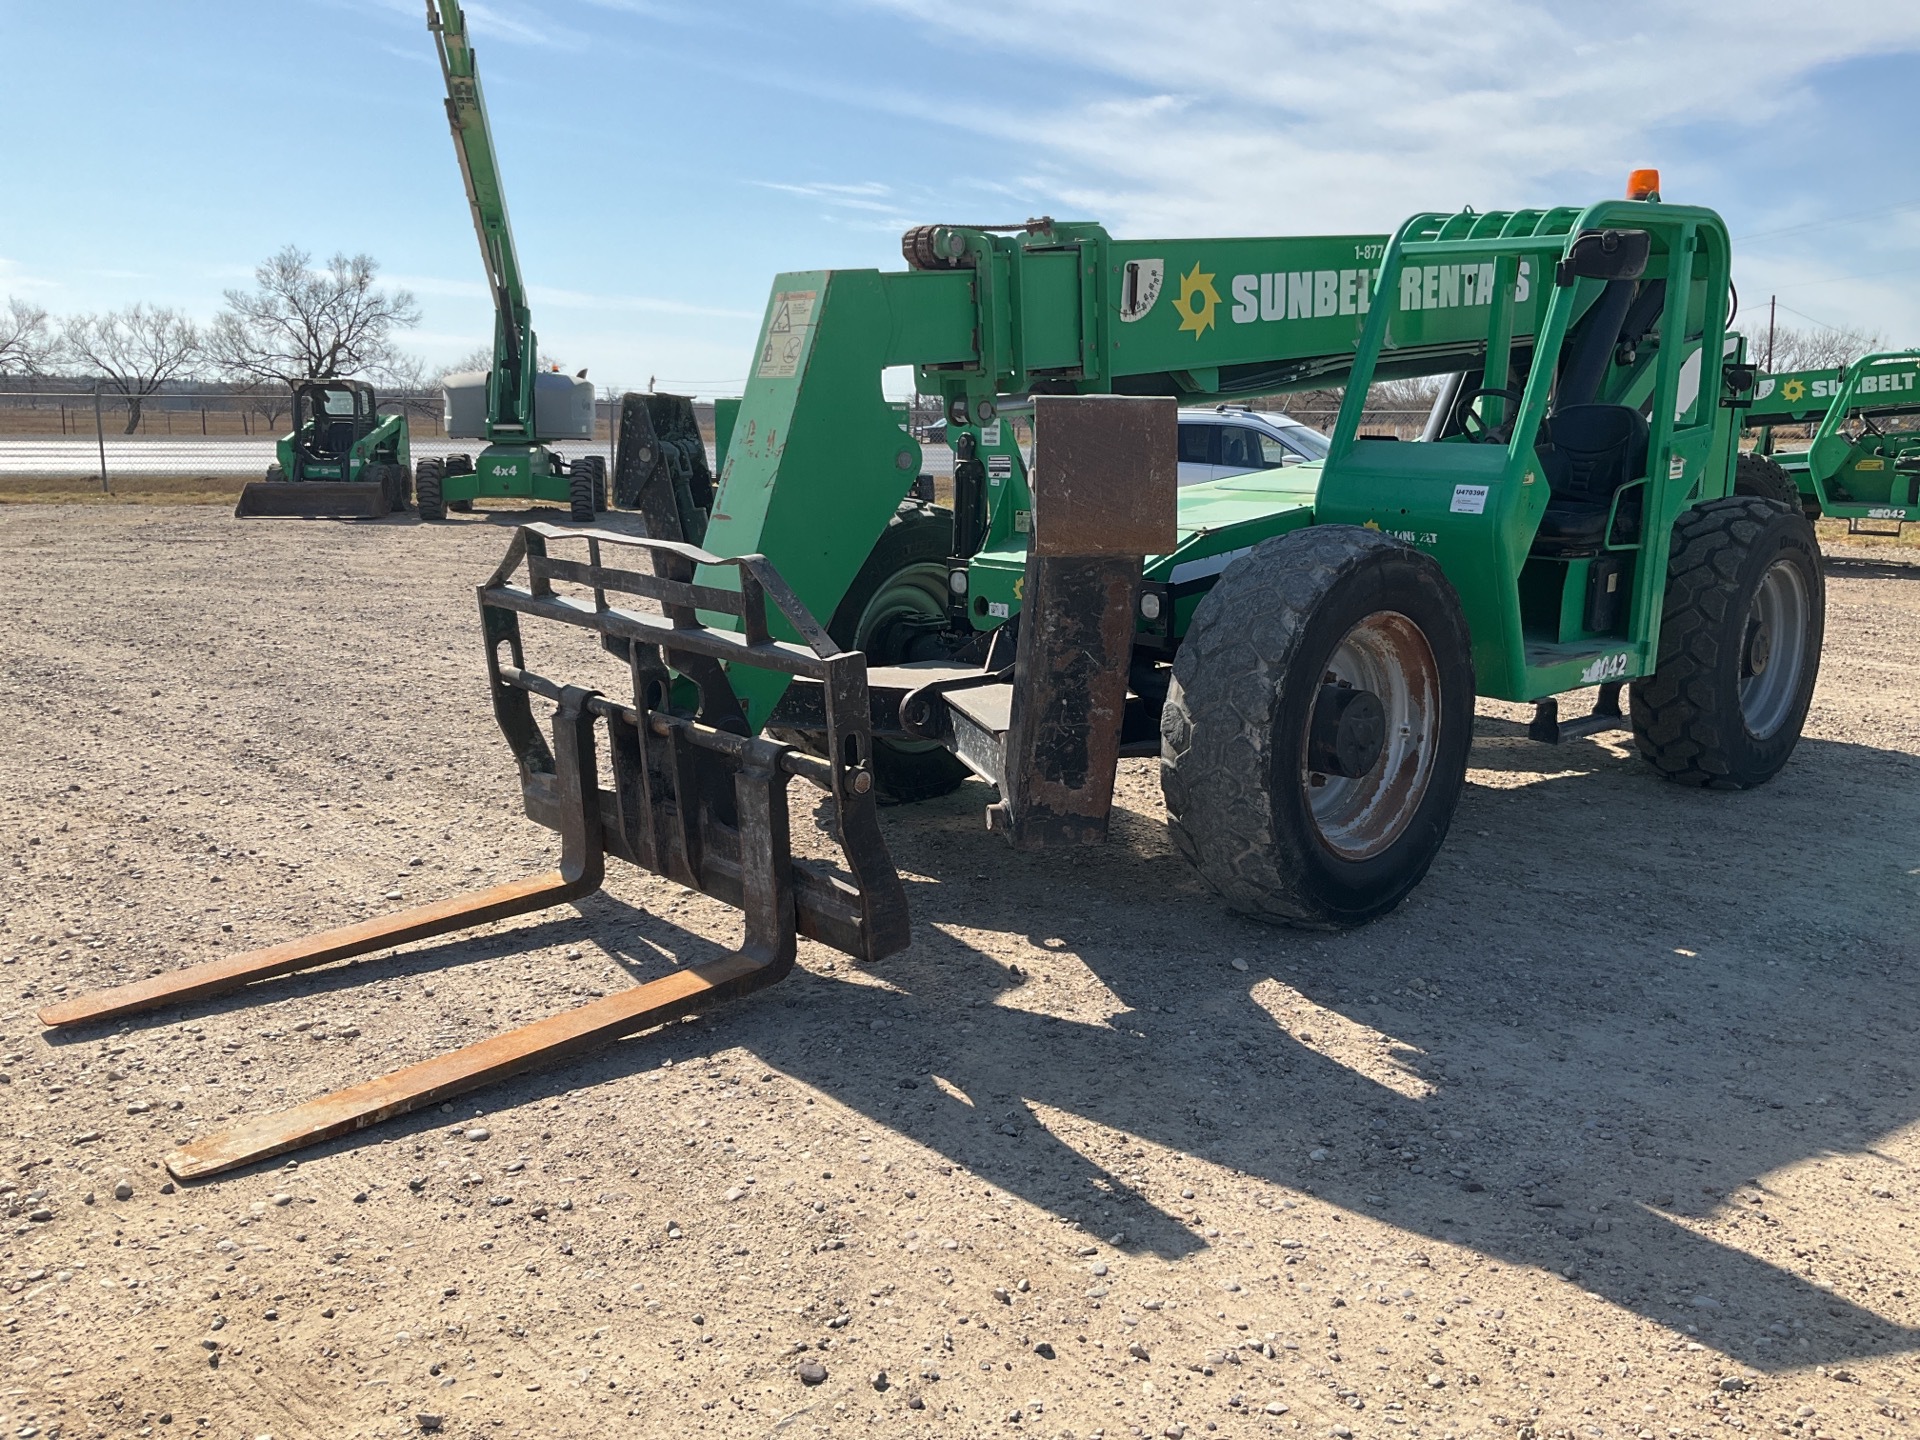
x=1219 y=118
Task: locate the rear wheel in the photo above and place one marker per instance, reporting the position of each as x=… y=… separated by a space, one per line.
x=427 y=477
x=894 y=611
x=1314 y=740
x=1739 y=646
x=580 y=491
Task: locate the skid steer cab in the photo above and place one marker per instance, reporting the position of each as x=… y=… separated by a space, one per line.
x=1862 y=464
x=341 y=459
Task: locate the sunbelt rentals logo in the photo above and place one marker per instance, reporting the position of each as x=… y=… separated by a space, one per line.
x=1196 y=301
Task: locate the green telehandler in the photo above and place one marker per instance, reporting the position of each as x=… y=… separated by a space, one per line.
x=1862 y=463
x=342 y=458
x=517 y=408
x=1300 y=647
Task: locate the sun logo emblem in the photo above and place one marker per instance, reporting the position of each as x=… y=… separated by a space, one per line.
x=1794 y=391
x=1196 y=301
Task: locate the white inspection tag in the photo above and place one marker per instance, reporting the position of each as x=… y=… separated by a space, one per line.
x=1469 y=500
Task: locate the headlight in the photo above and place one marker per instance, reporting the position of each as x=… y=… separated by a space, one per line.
x=957 y=581
x=1150 y=605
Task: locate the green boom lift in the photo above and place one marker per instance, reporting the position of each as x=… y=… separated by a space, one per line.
x=342 y=459
x=1300 y=647
x=515 y=406
x=1862 y=464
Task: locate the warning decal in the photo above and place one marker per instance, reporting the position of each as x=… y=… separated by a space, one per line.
x=787 y=334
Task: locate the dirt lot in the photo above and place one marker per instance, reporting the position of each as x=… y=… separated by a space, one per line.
x=1608 y=1132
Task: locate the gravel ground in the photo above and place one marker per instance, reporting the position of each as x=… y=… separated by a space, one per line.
x=1608 y=1132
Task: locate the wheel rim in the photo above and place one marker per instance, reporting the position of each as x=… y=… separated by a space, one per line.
x=918 y=592
x=1773 y=652
x=1358 y=817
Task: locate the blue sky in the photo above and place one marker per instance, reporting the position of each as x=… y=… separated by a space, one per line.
x=665 y=158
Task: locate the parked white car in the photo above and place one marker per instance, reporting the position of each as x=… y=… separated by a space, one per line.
x=1231 y=440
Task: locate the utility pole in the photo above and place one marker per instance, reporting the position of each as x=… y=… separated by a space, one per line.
x=100 y=435
x=1772 y=302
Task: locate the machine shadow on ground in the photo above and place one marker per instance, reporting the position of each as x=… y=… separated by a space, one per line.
x=1585 y=1083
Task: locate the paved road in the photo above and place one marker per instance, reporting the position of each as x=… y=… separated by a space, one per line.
x=200 y=456
x=143 y=456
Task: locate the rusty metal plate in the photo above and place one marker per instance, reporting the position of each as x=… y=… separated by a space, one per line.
x=1105 y=473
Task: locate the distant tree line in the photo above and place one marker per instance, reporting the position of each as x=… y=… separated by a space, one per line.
x=299 y=322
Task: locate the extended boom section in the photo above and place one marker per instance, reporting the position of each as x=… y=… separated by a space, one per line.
x=684 y=791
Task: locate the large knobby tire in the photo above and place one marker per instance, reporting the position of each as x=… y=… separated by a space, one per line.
x=1740 y=645
x=580 y=491
x=1260 y=688
x=904 y=577
x=1764 y=479
x=427 y=477
x=597 y=464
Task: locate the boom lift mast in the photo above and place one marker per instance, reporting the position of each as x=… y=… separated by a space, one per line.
x=516 y=407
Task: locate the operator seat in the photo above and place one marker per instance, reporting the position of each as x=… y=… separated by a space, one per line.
x=336 y=438
x=1586 y=453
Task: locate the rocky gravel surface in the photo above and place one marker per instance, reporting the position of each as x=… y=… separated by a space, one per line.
x=1608 y=1132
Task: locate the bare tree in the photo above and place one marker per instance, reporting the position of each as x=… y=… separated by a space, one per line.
x=410 y=386
x=303 y=323
x=478 y=358
x=1822 y=347
x=269 y=401
x=135 y=351
x=26 y=339
x=481 y=358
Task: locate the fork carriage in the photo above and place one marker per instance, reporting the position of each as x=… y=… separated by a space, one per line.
x=691 y=796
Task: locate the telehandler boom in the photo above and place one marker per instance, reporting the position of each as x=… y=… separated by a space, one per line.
x=1301 y=647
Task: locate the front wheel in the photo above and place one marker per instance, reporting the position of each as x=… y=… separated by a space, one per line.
x=1739 y=646
x=895 y=611
x=1314 y=740
x=428 y=477
x=580 y=491
x=1765 y=478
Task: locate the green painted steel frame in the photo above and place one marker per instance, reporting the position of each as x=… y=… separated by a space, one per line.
x=817 y=460
x=1411 y=490
x=1860 y=477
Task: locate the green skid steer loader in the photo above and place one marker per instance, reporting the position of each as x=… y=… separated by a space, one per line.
x=1862 y=464
x=1301 y=648
x=342 y=459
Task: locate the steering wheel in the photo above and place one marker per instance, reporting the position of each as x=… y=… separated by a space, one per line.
x=1476 y=429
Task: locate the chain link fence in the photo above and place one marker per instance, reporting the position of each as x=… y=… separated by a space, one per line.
x=72 y=434
x=75 y=435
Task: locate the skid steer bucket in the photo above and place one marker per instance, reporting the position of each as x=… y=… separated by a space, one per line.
x=684 y=791
x=315 y=500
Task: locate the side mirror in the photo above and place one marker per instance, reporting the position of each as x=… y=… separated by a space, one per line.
x=1605 y=255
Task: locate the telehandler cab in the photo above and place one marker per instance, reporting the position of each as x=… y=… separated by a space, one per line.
x=1301 y=647
x=342 y=458
x=1862 y=464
